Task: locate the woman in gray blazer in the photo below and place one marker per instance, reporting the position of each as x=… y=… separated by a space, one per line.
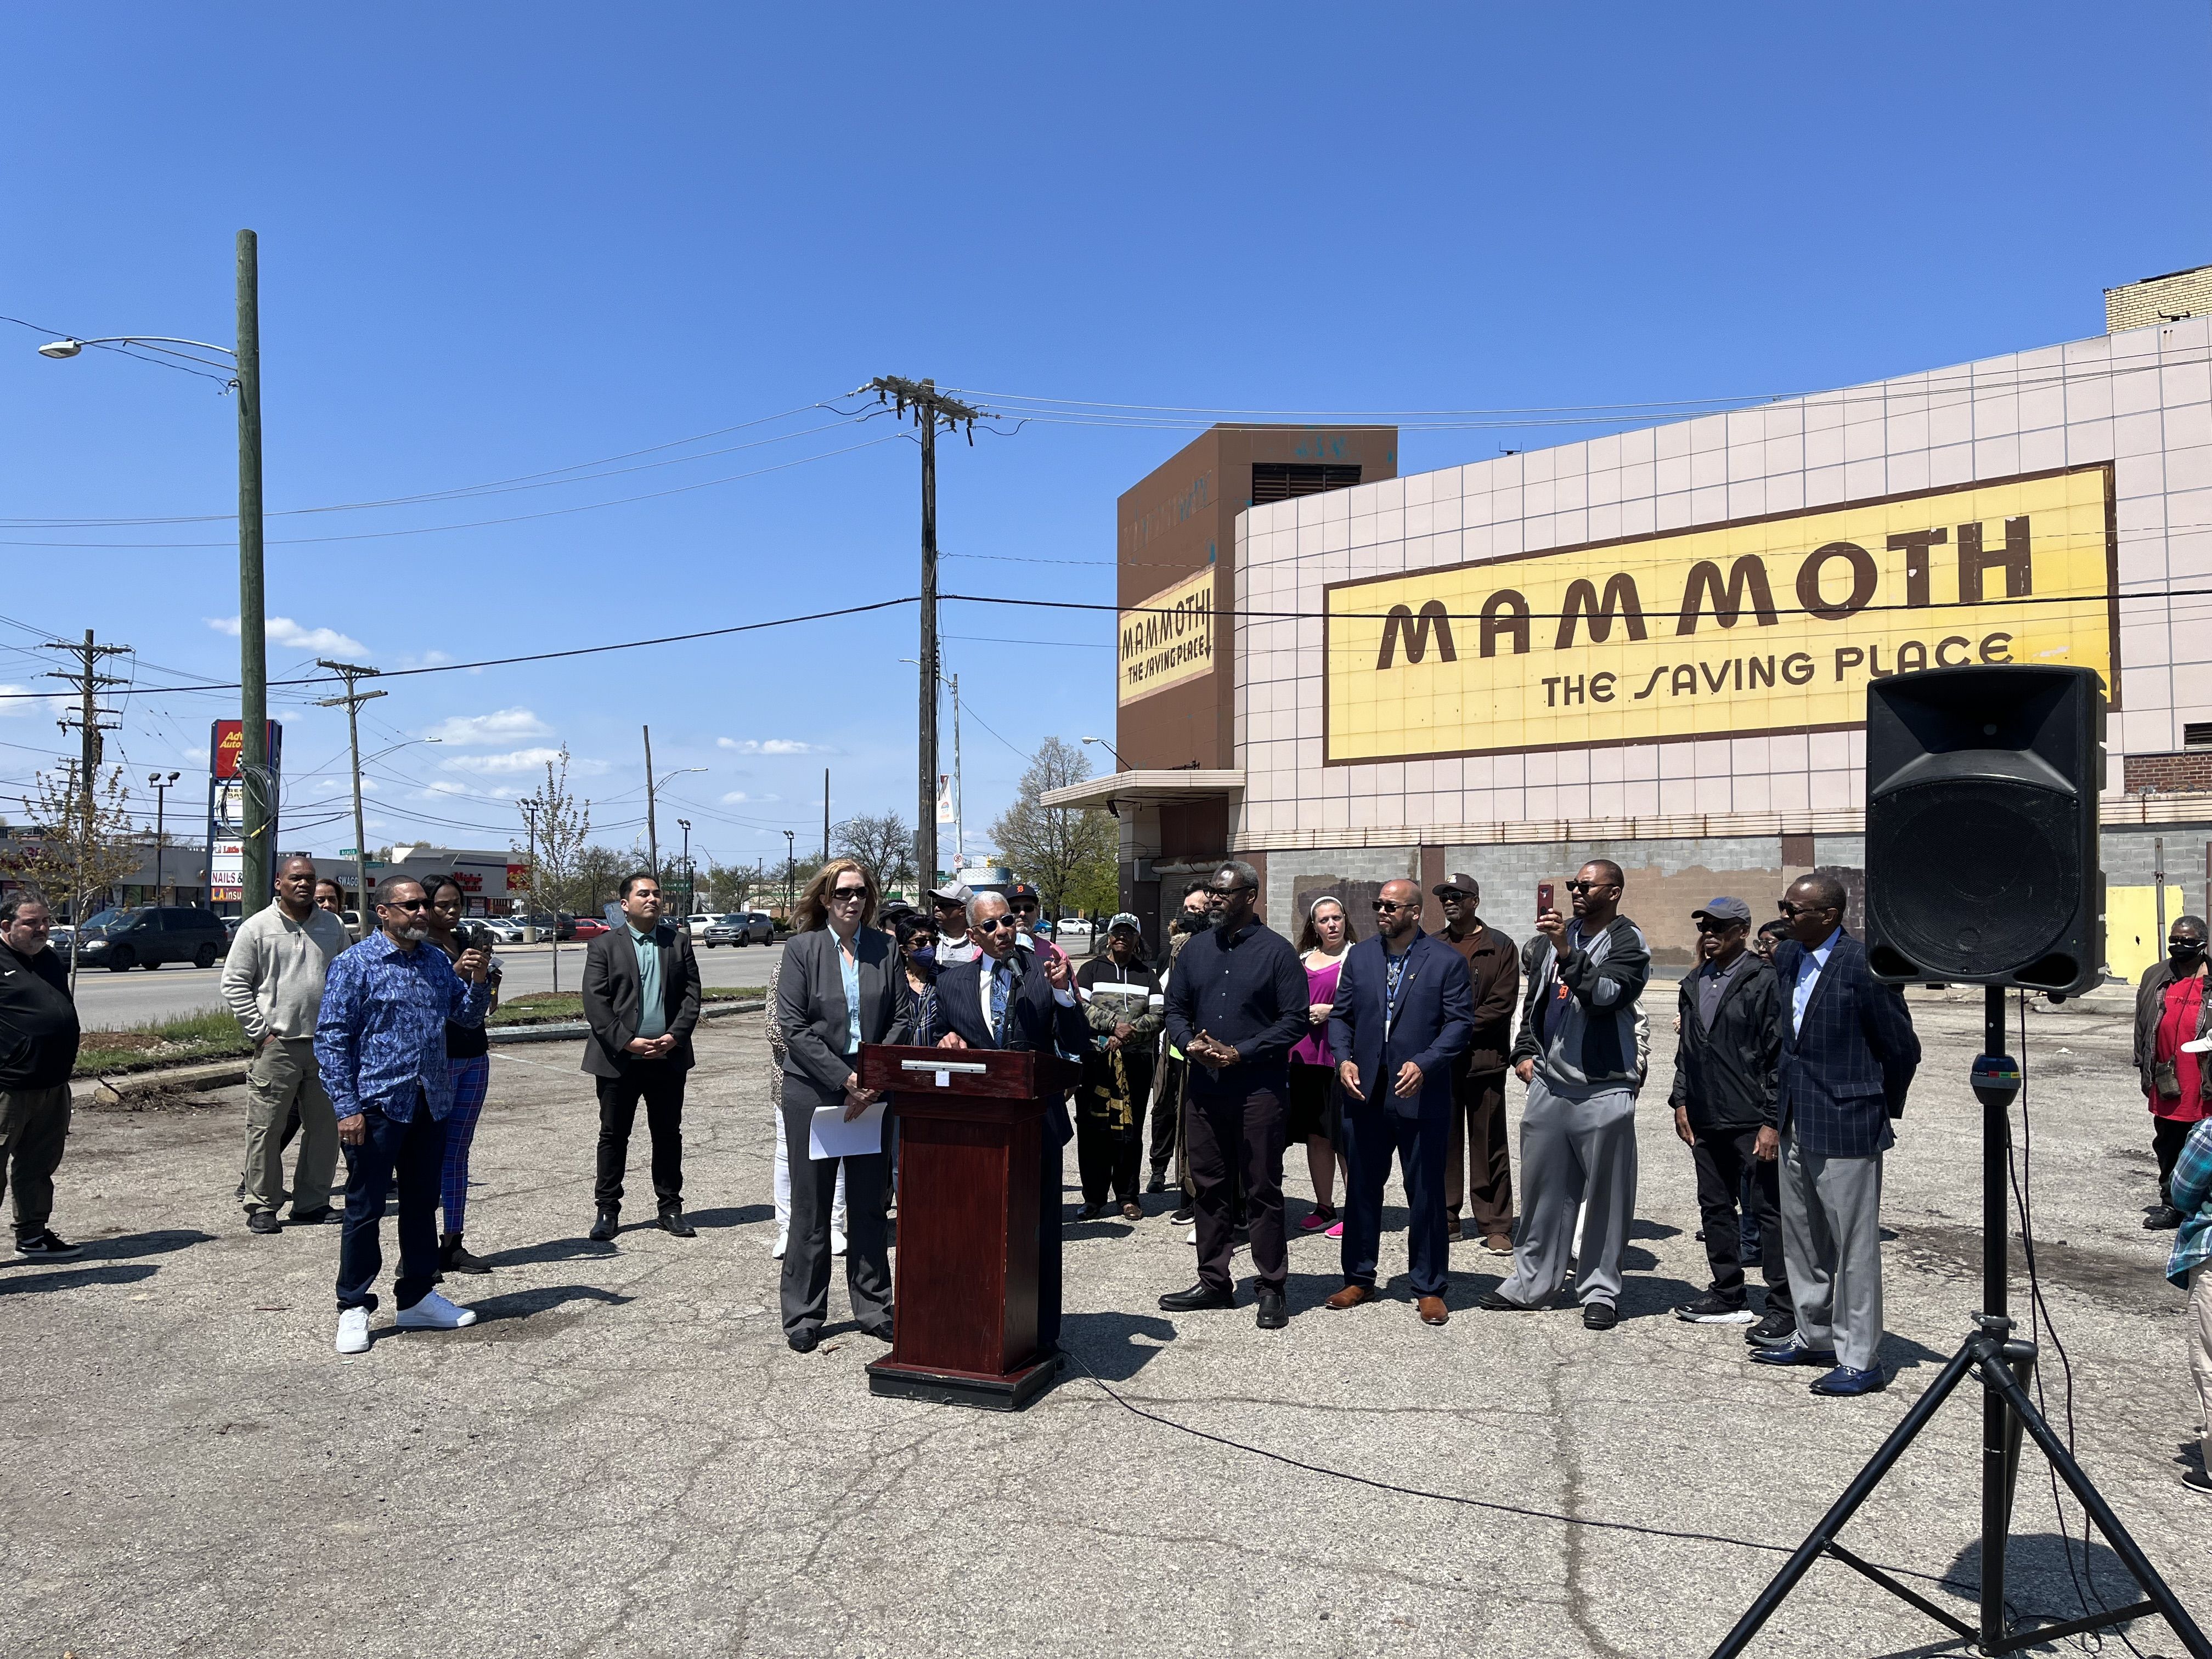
x=840 y=985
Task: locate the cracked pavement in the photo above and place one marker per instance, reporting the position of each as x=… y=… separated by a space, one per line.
x=624 y=1459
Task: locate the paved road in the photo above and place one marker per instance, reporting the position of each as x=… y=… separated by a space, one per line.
x=624 y=1460
x=109 y=1002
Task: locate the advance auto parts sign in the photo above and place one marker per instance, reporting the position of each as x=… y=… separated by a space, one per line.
x=1168 y=639
x=1761 y=626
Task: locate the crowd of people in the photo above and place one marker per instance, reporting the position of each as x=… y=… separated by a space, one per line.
x=1792 y=1067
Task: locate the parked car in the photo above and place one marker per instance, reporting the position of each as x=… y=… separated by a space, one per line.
x=147 y=937
x=741 y=927
x=698 y=924
x=59 y=936
x=1076 y=935
x=545 y=922
x=588 y=927
x=508 y=930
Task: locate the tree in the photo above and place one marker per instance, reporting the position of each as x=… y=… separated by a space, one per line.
x=599 y=871
x=883 y=844
x=1073 y=855
x=561 y=827
x=84 y=845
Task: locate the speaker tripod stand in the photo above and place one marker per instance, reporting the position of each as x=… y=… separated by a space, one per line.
x=2002 y=1365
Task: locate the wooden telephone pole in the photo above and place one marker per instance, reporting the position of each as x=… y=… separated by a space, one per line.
x=351 y=702
x=930 y=409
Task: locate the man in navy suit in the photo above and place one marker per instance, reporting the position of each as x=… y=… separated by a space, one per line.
x=1404 y=1015
x=1006 y=999
x=1848 y=1056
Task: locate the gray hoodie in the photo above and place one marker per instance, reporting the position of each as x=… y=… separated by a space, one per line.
x=1579 y=1021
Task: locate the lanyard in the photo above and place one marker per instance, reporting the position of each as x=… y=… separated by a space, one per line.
x=1393 y=973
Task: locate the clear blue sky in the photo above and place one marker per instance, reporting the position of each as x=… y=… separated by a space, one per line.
x=499 y=240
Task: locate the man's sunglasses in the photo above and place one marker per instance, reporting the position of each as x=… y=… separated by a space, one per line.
x=1382 y=905
x=1212 y=893
x=1707 y=924
x=1589 y=887
x=406 y=904
x=995 y=924
x=1790 y=909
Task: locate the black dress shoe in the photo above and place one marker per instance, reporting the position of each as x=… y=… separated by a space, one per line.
x=672 y=1221
x=1273 y=1314
x=881 y=1332
x=263 y=1221
x=2163 y=1219
x=602 y=1230
x=309 y=1218
x=1599 y=1316
x=1157 y=1184
x=453 y=1259
x=1197 y=1297
x=802 y=1341
x=1497 y=1304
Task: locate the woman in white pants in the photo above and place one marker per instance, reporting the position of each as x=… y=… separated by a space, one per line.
x=783 y=1152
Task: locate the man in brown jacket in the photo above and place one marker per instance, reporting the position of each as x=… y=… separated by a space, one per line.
x=1479 y=1086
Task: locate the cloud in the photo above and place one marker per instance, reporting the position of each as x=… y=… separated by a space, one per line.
x=522 y=760
x=739 y=797
x=294 y=636
x=773 y=746
x=15 y=700
x=503 y=726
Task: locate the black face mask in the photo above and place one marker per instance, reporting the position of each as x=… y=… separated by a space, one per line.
x=2185 y=950
x=1185 y=922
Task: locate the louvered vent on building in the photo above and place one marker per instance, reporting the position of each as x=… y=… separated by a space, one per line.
x=2197 y=734
x=1278 y=480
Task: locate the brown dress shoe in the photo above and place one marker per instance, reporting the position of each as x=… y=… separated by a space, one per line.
x=1498 y=1244
x=1433 y=1311
x=1352 y=1296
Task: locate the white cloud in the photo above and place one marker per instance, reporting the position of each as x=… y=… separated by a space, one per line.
x=523 y=760
x=12 y=701
x=773 y=746
x=503 y=726
x=295 y=636
x=739 y=797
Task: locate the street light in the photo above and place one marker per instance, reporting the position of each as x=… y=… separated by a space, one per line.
x=689 y=886
x=790 y=870
x=253 y=651
x=1119 y=763
x=160 y=789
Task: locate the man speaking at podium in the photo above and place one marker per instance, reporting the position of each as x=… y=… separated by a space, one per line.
x=1006 y=999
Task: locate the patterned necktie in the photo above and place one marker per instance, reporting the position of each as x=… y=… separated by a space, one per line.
x=1000 y=980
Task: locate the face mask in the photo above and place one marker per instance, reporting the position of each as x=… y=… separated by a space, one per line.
x=1187 y=923
x=2185 y=950
x=924 y=957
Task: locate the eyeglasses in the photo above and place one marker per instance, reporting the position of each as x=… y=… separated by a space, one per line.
x=1030 y=905
x=1707 y=924
x=1790 y=909
x=995 y=924
x=846 y=894
x=406 y=904
x=1392 y=905
x=1213 y=893
x=1589 y=887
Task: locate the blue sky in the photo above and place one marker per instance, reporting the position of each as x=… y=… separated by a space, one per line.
x=497 y=241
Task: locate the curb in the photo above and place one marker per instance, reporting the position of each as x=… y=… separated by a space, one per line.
x=223 y=1073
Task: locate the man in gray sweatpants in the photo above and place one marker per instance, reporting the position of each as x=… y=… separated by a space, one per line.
x=1577 y=1053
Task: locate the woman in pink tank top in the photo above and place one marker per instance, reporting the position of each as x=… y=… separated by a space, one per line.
x=1315 y=1108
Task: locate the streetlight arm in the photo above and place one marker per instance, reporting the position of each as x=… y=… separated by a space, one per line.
x=73 y=345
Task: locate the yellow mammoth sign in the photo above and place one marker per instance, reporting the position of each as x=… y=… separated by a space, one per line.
x=1168 y=639
x=1760 y=626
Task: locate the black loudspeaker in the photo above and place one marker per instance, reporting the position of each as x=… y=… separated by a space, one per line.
x=1981 y=817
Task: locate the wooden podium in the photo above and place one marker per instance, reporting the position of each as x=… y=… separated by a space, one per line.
x=971 y=1121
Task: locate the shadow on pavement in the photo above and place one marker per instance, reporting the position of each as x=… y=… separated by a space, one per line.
x=1901 y=1353
x=32 y=1284
x=742 y=1215
x=521 y=1304
x=1645 y=1296
x=126 y=1246
x=1108 y=1343
x=2040 y=1584
x=553 y=1249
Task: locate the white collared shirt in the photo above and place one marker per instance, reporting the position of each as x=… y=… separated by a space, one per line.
x=1809 y=967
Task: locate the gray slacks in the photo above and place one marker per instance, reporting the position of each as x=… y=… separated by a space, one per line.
x=1832 y=1243
x=1573 y=1152
x=806 y=1289
x=282 y=1073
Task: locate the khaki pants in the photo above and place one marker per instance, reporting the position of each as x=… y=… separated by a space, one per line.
x=2200 y=1351
x=281 y=1073
x=33 y=1124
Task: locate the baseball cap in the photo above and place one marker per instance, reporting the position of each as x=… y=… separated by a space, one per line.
x=1723 y=909
x=1465 y=884
x=953 y=892
x=1123 y=918
x=1021 y=890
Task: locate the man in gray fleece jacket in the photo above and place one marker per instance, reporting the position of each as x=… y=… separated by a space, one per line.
x=1577 y=1053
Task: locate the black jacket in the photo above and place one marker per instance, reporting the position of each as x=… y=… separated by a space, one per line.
x=610 y=998
x=1034 y=1021
x=37 y=1021
x=1725 y=1076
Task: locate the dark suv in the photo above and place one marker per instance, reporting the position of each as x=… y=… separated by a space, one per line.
x=122 y=939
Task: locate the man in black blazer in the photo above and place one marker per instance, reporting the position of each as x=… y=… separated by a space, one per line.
x=1848 y=1053
x=1404 y=1016
x=640 y=1000
x=1006 y=999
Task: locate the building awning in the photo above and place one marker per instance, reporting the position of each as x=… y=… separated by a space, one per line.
x=1116 y=790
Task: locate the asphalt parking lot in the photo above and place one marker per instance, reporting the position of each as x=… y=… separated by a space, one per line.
x=624 y=1459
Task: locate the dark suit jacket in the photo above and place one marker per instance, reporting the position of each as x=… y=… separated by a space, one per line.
x=1433 y=1025
x=610 y=998
x=1724 y=1077
x=1035 y=1020
x=811 y=1013
x=1844 y=1072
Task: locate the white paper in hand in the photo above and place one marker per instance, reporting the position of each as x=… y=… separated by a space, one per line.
x=830 y=1135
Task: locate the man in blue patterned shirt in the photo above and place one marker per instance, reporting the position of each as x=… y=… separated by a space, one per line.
x=380 y=1050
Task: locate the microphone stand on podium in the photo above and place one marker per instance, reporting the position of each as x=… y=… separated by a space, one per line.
x=971 y=1123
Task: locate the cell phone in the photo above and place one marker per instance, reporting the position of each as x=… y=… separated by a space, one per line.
x=1543 y=896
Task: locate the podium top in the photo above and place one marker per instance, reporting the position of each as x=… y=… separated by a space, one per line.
x=984 y=1073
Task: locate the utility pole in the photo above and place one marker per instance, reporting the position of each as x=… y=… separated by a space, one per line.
x=351 y=702
x=161 y=825
x=930 y=408
x=790 y=874
x=825 y=814
x=690 y=887
x=87 y=722
x=257 y=870
x=530 y=918
x=651 y=831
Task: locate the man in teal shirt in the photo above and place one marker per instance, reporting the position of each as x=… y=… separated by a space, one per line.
x=640 y=1000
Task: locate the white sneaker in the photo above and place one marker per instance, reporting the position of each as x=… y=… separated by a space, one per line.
x=353 y=1330
x=1191 y=1237
x=435 y=1313
x=836 y=1244
x=782 y=1244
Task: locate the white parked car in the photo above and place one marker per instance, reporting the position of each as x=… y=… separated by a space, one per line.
x=1075 y=936
x=506 y=929
x=696 y=925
